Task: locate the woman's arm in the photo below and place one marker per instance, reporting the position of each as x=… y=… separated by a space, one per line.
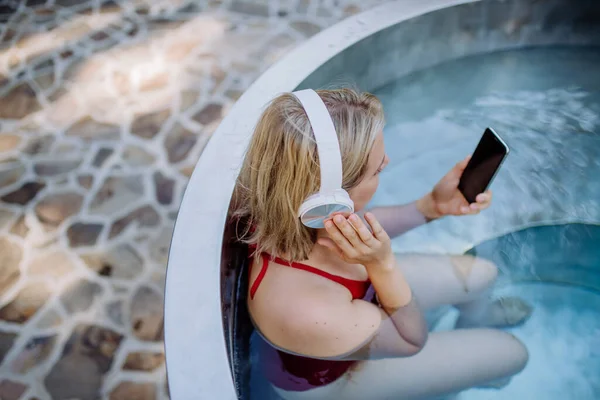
x=444 y=199
x=331 y=327
x=399 y=219
x=324 y=325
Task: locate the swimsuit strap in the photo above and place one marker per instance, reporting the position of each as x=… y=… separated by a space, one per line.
x=356 y=288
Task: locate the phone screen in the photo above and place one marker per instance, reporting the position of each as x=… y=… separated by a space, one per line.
x=482 y=167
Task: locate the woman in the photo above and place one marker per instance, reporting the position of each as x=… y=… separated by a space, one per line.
x=336 y=309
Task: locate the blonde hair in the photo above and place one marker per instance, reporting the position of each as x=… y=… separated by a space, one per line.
x=281 y=167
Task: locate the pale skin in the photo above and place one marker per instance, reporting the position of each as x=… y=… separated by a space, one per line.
x=316 y=317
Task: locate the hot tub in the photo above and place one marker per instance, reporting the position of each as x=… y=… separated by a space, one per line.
x=414 y=55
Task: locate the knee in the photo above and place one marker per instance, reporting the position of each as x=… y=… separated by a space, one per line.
x=477 y=273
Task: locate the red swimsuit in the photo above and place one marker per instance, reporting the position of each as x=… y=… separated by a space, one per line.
x=297 y=373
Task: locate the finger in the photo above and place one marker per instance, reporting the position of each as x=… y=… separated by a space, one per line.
x=338 y=237
x=471 y=209
x=484 y=204
x=465 y=209
x=363 y=232
x=344 y=214
x=484 y=197
x=376 y=227
x=463 y=164
x=348 y=231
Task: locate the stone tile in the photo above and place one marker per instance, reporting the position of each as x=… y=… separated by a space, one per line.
x=85 y=181
x=27 y=302
x=308 y=29
x=163 y=187
x=11 y=172
x=80 y=296
x=218 y=74
x=147 y=315
x=9 y=263
x=142 y=361
x=302 y=6
x=102 y=155
x=55 y=264
x=50 y=319
x=134 y=391
x=159 y=246
x=87 y=356
x=45 y=81
x=20 y=227
x=56 y=207
x=83 y=234
x=147 y=126
x=121 y=261
x=89 y=129
x=210 y=113
x=9 y=142
x=24 y=194
x=39 y=145
x=250 y=8
x=5 y=217
x=11 y=390
x=36 y=351
x=143 y=217
x=154 y=82
x=115 y=192
x=178 y=143
x=187 y=171
x=233 y=94
x=136 y=156
x=55 y=167
x=351 y=9
x=74 y=368
x=114 y=312
x=187 y=99
x=19 y=102
x=6 y=342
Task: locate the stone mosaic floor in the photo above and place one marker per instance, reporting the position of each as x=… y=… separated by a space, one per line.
x=105 y=106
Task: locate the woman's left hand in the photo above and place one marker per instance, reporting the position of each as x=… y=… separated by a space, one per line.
x=446 y=198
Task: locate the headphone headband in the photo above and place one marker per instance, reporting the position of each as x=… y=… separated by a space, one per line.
x=328 y=147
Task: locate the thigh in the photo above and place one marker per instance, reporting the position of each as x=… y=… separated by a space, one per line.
x=446 y=279
x=450 y=362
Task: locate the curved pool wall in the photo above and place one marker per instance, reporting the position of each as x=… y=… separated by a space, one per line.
x=205 y=332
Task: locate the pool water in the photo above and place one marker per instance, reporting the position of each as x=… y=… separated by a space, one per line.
x=563 y=333
x=545 y=103
x=563 y=340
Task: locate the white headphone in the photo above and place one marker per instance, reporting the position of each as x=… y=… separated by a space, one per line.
x=331 y=198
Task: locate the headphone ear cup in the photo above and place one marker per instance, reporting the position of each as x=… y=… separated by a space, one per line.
x=319 y=207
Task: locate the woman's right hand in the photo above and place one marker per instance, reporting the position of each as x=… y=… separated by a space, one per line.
x=354 y=243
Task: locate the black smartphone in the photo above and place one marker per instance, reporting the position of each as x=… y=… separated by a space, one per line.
x=483 y=165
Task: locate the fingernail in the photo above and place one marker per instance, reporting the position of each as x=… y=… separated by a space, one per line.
x=338 y=218
x=328 y=224
x=464 y=209
x=354 y=217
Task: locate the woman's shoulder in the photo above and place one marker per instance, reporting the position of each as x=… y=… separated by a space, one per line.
x=311 y=317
